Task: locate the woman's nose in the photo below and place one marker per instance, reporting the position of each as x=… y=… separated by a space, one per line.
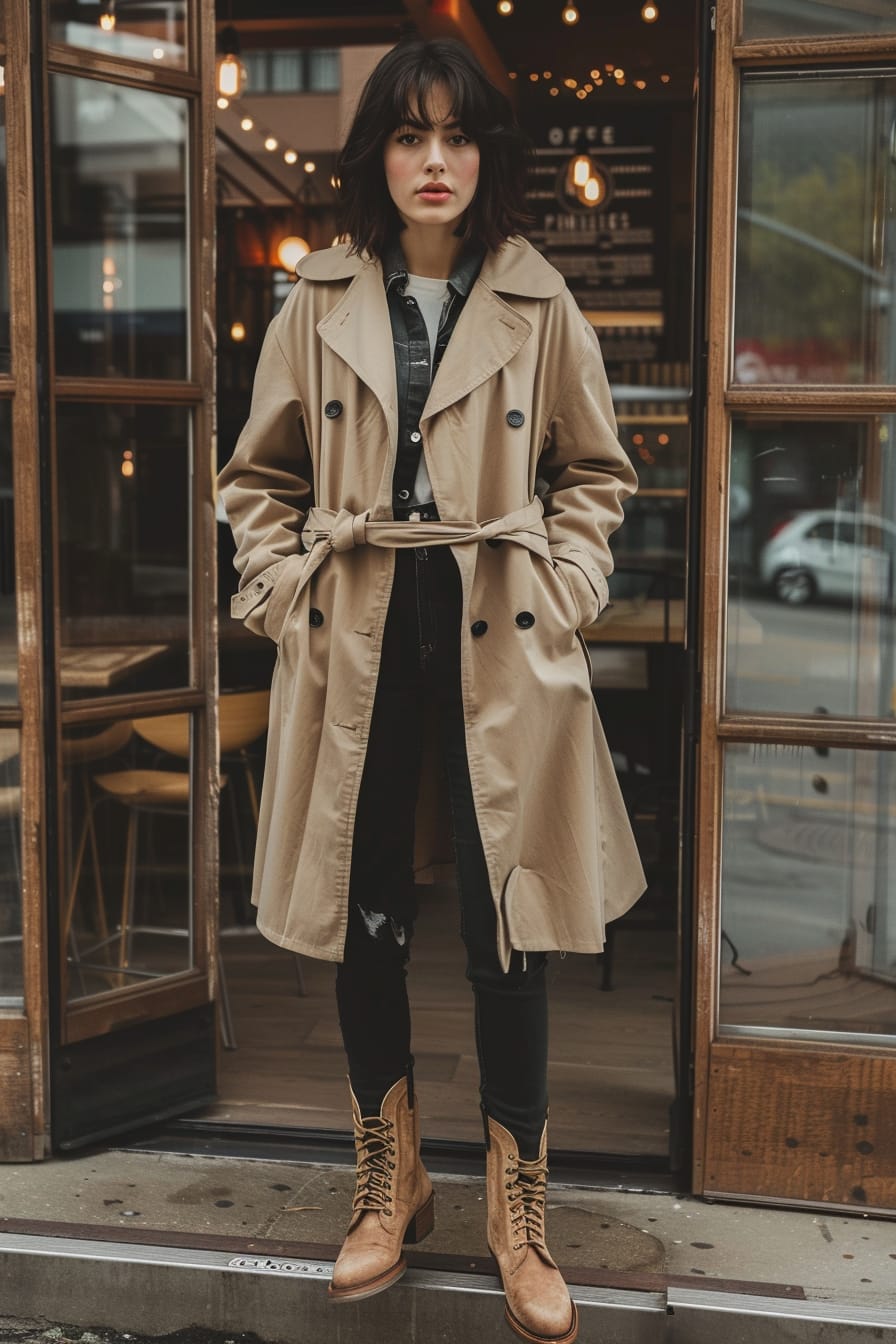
x=435 y=158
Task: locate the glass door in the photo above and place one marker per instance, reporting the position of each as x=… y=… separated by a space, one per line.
x=129 y=525
x=796 y=1030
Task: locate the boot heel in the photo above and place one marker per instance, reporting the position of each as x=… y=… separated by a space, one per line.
x=422 y=1222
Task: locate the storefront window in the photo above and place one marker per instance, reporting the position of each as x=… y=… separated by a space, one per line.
x=4 y=233
x=812 y=567
x=150 y=30
x=127 y=905
x=10 y=871
x=816 y=260
x=124 y=547
x=817 y=18
x=8 y=640
x=808 y=898
x=120 y=272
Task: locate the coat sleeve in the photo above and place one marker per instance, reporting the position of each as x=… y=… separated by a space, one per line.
x=266 y=490
x=588 y=476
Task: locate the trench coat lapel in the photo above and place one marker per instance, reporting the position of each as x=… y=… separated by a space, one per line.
x=354 y=331
x=494 y=330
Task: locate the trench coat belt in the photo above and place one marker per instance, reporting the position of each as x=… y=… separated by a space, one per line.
x=343 y=530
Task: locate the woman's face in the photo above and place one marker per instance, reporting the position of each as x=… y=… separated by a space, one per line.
x=431 y=170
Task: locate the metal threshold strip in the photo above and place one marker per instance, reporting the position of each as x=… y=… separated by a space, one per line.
x=159 y=1289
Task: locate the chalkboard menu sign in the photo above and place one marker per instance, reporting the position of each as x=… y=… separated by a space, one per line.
x=599 y=194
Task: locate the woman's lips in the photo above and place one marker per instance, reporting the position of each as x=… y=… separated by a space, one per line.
x=434 y=193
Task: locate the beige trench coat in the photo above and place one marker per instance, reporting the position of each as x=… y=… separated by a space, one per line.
x=528 y=503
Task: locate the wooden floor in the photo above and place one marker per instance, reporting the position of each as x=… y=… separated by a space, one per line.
x=611 y=1064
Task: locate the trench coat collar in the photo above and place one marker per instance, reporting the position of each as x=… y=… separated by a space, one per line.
x=497 y=330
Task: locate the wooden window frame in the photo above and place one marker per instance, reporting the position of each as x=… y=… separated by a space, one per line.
x=722 y=1065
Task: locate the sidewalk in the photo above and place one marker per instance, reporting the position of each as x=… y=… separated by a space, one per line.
x=185 y=1220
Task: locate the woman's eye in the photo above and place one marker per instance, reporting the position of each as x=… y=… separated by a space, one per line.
x=406 y=138
x=459 y=140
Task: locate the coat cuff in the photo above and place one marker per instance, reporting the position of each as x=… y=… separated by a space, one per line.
x=255 y=603
x=585 y=580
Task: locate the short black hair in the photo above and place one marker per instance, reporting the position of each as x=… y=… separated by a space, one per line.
x=400 y=90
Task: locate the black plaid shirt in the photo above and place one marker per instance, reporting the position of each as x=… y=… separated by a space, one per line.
x=415 y=366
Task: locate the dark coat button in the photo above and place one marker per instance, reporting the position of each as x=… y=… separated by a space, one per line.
x=515 y=419
x=333 y=409
x=315 y=617
x=478 y=628
x=525 y=620
x=495 y=542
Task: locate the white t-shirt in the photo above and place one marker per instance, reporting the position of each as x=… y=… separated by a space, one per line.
x=430 y=295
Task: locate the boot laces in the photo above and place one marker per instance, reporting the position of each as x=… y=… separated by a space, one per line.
x=375 y=1147
x=526 y=1194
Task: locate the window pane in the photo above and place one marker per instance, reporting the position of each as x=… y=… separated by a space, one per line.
x=8 y=638
x=150 y=30
x=124 y=547
x=4 y=235
x=119 y=230
x=817 y=18
x=812 y=568
x=324 y=71
x=808 y=898
x=127 y=850
x=10 y=871
x=816 y=214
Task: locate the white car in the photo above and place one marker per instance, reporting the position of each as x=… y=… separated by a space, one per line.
x=830 y=553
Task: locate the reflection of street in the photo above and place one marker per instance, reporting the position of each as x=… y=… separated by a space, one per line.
x=809 y=840
x=802 y=659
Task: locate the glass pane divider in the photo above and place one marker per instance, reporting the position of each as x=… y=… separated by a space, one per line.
x=128 y=389
x=796 y=51
x=825 y=730
x=792 y=400
x=120 y=70
x=146 y=705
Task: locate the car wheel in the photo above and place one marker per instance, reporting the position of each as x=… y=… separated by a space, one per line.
x=796 y=587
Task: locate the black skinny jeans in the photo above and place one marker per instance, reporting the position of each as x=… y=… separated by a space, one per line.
x=420 y=667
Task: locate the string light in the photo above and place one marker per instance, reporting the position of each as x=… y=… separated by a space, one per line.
x=223 y=104
x=290 y=156
x=270 y=143
x=310 y=166
x=107 y=16
x=570 y=15
x=649 y=12
x=505 y=7
x=247 y=123
x=237 y=331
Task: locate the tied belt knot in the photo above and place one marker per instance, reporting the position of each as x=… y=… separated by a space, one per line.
x=342 y=530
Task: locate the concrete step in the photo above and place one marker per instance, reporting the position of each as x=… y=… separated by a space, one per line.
x=157 y=1290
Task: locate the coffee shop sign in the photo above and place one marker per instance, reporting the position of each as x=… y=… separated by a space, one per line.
x=577 y=135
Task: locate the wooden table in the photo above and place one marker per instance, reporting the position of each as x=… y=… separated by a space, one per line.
x=99 y=666
x=644 y=621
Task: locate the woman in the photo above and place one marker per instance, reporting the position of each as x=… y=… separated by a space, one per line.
x=421 y=501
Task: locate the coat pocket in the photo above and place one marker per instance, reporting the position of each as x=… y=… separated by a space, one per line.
x=586 y=584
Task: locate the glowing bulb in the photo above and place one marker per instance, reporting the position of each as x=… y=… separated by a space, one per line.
x=310 y=166
x=291 y=156
x=158 y=53
x=570 y=83
x=505 y=7
x=237 y=332
x=534 y=77
x=581 y=170
x=649 y=12
x=107 y=19
x=580 y=93
x=592 y=191
x=570 y=14
x=665 y=78
x=108 y=265
x=127 y=467
x=618 y=73
x=223 y=104
x=554 y=91
x=595 y=74
x=270 y=143
x=247 y=123
x=231 y=76
x=291 y=251
x=547 y=74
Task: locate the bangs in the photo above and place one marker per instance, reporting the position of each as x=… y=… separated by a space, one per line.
x=418 y=93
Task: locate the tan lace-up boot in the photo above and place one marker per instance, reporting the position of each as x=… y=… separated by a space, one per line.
x=538 y=1304
x=393 y=1201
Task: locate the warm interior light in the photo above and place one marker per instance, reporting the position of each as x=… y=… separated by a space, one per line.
x=291 y=156
x=664 y=79
x=107 y=16
x=247 y=123
x=158 y=53
x=237 y=331
x=223 y=104
x=581 y=170
x=505 y=7
x=570 y=83
x=649 y=12
x=108 y=265
x=534 y=77
x=310 y=166
x=270 y=143
x=618 y=73
x=291 y=251
x=547 y=74
x=554 y=91
x=2 y=80
x=570 y=14
x=592 y=191
x=230 y=73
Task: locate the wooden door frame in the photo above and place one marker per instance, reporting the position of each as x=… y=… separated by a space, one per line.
x=751 y=1092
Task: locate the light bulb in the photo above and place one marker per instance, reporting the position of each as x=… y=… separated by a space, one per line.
x=223 y=104
x=505 y=7
x=570 y=14
x=270 y=144
x=290 y=252
x=231 y=77
x=237 y=332
x=581 y=170
x=310 y=166
x=247 y=123
x=291 y=156
x=649 y=12
x=592 y=191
